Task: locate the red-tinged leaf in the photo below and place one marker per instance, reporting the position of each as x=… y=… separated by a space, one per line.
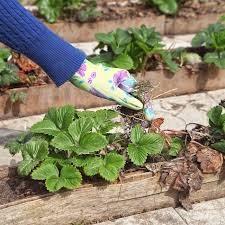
x=156 y=125
x=22 y=76
x=24 y=63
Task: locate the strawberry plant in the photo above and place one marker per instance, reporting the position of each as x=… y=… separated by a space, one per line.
x=88 y=12
x=51 y=10
x=135 y=49
x=217 y=128
x=67 y=145
x=8 y=73
x=169 y=7
x=213 y=39
x=18 y=97
x=143 y=144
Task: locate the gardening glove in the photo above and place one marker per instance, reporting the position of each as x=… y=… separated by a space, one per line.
x=109 y=83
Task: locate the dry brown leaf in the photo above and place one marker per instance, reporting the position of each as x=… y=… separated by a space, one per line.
x=199 y=132
x=156 y=125
x=24 y=63
x=182 y=175
x=210 y=160
x=195 y=178
x=184 y=200
x=22 y=76
x=191 y=152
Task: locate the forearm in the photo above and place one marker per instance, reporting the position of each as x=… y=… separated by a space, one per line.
x=24 y=33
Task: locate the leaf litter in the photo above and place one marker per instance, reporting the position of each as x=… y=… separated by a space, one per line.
x=183 y=174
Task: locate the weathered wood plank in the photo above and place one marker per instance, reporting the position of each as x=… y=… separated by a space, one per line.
x=40 y=99
x=98 y=203
x=185 y=25
x=83 y=32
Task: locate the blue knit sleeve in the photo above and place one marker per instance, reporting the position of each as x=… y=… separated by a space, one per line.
x=22 y=32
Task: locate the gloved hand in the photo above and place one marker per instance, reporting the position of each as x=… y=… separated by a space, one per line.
x=109 y=83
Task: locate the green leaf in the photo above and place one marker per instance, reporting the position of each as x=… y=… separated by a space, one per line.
x=79 y=161
x=91 y=143
x=104 y=115
x=90 y=13
x=199 y=39
x=86 y=113
x=167 y=59
x=175 y=147
x=45 y=127
x=136 y=133
x=14 y=147
x=50 y=9
x=219 y=146
x=108 y=168
x=80 y=127
x=114 y=138
x=123 y=61
x=137 y=154
x=107 y=127
x=215 y=58
x=214 y=115
x=26 y=166
x=115 y=160
x=8 y=74
x=56 y=158
x=222 y=18
x=122 y=37
x=104 y=38
x=153 y=143
x=64 y=142
x=18 y=97
x=106 y=57
x=5 y=53
x=33 y=153
x=70 y=178
x=45 y=171
x=93 y=165
x=166 y=6
x=143 y=145
x=88 y=143
x=109 y=173
x=54 y=183
x=62 y=117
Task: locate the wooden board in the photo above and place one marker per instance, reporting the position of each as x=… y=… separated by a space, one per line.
x=208 y=78
x=88 y=204
x=84 y=32
x=189 y=25
x=40 y=99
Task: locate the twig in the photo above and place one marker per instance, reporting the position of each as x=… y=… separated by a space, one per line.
x=194 y=124
x=175 y=132
x=195 y=142
x=164 y=93
x=131 y=117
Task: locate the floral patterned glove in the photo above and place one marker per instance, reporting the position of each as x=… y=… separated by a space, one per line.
x=109 y=83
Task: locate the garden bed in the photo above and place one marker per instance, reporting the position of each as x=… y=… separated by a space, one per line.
x=137 y=192
x=40 y=98
x=191 y=18
x=83 y=32
x=132 y=166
